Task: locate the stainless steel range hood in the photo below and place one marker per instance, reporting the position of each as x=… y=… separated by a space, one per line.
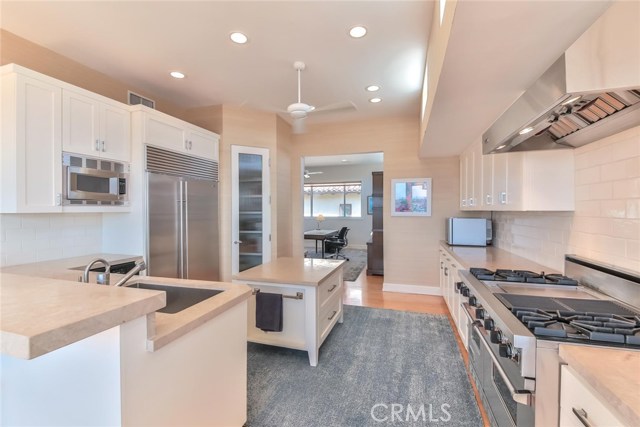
x=584 y=96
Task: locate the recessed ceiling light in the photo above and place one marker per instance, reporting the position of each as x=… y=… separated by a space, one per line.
x=344 y=160
x=372 y=88
x=177 y=75
x=500 y=147
x=238 y=38
x=357 y=32
x=525 y=130
x=375 y=100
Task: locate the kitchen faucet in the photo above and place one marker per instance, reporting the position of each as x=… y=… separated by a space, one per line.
x=140 y=265
x=103 y=278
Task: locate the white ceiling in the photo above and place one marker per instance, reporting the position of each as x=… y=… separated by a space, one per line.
x=496 y=51
x=351 y=159
x=139 y=42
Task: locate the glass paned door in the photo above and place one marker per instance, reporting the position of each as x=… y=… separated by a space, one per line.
x=251 y=207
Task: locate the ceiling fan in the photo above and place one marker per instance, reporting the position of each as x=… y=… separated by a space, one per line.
x=308 y=174
x=299 y=110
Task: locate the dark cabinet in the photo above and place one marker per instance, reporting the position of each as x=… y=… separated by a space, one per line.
x=375 y=247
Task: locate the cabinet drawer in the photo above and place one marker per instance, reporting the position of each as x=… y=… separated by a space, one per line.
x=329 y=316
x=577 y=394
x=331 y=286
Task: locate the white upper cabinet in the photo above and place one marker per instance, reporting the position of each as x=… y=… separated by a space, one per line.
x=95 y=126
x=520 y=181
x=30 y=149
x=162 y=130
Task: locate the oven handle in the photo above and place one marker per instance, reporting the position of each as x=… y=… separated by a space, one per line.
x=523 y=397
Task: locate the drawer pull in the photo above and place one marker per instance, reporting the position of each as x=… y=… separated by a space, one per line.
x=581 y=414
x=332 y=315
x=332 y=288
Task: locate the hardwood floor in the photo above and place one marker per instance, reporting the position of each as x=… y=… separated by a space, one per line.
x=366 y=291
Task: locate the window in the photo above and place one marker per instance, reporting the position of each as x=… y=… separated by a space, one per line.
x=333 y=199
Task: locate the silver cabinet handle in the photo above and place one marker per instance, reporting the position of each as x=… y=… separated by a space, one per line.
x=190 y=145
x=332 y=315
x=464 y=203
x=581 y=414
x=488 y=199
x=58 y=199
x=446 y=271
x=503 y=198
x=104 y=147
x=186 y=144
x=237 y=242
x=97 y=145
x=332 y=288
x=441 y=265
x=472 y=202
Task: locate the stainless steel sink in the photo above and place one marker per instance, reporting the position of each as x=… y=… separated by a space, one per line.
x=178 y=298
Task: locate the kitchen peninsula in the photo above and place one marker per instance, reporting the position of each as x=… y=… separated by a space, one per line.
x=86 y=354
x=312 y=301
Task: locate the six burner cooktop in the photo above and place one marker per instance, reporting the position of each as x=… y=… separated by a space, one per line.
x=503 y=275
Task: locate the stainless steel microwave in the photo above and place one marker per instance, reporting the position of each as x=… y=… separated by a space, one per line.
x=91 y=181
x=469 y=231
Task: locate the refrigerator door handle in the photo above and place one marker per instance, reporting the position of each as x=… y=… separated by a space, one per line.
x=185 y=239
x=181 y=219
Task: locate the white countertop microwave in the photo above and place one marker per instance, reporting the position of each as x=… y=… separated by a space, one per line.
x=469 y=231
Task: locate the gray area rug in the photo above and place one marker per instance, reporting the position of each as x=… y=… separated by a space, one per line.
x=352 y=268
x=376 y=357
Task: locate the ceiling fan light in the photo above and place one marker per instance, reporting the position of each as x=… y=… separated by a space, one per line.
x=357 y=32
x=238 y=37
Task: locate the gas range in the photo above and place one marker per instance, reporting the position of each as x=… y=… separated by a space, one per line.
x=516 y=316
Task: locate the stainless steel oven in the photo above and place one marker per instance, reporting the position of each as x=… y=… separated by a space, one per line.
x=501 y=388
x=91 y=181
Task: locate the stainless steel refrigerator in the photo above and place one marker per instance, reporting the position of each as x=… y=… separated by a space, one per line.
x=182 y=216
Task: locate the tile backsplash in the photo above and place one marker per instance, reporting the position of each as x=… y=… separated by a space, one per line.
x=606 y=223
x=26 y=238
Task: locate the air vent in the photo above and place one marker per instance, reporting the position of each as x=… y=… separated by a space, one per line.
x=171 y=163
x=135 y=99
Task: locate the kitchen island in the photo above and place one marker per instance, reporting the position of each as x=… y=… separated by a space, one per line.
x=312 y=301
x=86 y=354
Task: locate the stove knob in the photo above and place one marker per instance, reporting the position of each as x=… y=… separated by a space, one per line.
x=472 y=300
x=496 y=336
x=464 y=291
x=505 y=350
x=479 y=313
x=488 y=324
x=459 y=286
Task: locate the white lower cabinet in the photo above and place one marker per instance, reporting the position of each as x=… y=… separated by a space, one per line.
x=580 y=404
x=30 y=149
x=449 y=279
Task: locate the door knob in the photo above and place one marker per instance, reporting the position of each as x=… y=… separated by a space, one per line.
x=237 y=242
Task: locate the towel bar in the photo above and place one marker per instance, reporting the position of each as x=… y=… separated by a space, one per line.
x=298 y=295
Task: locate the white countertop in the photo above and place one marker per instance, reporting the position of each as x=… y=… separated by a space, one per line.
x=44 y=307
x=299 y=271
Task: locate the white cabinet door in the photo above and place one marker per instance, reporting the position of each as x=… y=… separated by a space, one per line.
x=500 y=181
x=115 y=133
x=476 y=177
x=95 y=128
x=31 y=156
x=488 y=196
x=202 y=144
x=80 y=126
x=164 y=134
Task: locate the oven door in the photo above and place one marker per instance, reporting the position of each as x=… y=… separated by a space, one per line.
x=94 y=184
x=509 y=406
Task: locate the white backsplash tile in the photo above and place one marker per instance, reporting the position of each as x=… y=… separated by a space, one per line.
x=606 y=223
x=26 y=238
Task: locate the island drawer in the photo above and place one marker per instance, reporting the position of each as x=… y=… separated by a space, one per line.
x=329 y=315
x=331 y=286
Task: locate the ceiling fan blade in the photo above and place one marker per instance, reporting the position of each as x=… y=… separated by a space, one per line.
x=298 y=126
x=339 y=106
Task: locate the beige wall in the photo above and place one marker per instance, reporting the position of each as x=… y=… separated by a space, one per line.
x=606 y=223
x=410 y=244
x=283 y=199
x=14 y=49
